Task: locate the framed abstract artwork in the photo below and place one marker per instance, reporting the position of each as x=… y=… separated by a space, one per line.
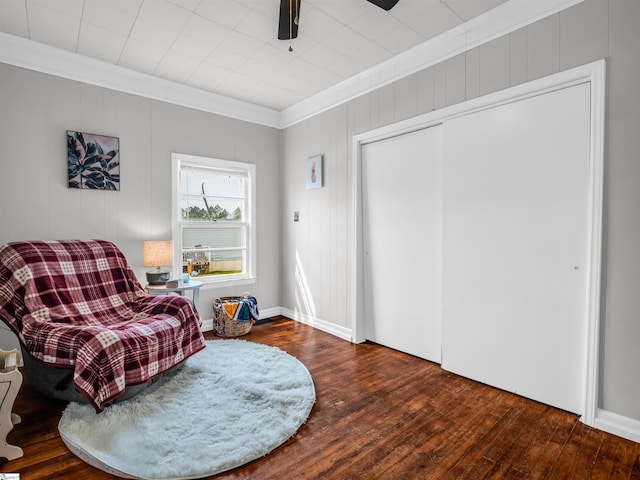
x=93 y=161
x=314 y=172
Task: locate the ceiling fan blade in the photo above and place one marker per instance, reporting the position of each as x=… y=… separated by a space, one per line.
x=289 y=19
x=386 y=4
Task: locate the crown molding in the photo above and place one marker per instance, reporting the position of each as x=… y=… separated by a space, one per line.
x=39 y=57
x=505 y=18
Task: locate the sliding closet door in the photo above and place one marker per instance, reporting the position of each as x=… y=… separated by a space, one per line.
x=515 y=232
x=402 y=235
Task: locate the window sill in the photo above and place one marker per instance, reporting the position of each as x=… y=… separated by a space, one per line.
x=209 y=284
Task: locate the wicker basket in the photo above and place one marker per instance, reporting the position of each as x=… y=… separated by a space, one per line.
x=225 y=326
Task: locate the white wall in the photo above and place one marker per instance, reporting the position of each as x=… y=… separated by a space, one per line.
x=36 y=110
x=315 y=249
x=319 y=245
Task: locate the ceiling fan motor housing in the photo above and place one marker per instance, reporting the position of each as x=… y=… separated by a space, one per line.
x=385 y=4
x=289 y=14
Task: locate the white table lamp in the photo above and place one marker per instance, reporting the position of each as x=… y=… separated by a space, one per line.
x=158 y=253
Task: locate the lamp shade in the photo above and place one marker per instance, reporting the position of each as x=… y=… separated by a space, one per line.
x=157 y=253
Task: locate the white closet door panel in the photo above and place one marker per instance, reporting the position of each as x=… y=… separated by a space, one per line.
x=402 y=234
x=515 y=246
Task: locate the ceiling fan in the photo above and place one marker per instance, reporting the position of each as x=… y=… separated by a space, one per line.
x=290 y=17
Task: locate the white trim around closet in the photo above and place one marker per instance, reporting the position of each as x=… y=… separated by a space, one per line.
x=593 y=73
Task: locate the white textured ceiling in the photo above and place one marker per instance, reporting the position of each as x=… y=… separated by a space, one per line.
x=230 y=47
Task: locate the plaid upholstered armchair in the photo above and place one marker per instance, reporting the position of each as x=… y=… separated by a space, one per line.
x=88 y=330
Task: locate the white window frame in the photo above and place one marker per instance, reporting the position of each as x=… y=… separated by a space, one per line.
x=178 y=161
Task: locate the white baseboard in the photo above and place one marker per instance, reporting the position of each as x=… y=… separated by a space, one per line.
x=336 y=330
x=333 y=329
x=270 y=312
x=207 y=325
x=619 y=425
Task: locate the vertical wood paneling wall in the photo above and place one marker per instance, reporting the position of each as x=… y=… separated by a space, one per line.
x=316 y=249
x=36 y=110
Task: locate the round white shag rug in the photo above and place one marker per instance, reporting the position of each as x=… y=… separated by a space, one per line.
x=231 y=403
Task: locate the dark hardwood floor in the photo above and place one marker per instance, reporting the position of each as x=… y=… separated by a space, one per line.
x=379 y=414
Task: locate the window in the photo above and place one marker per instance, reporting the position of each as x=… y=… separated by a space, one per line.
x=213 y=218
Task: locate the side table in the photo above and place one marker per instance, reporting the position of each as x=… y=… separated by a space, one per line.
x=193 y=286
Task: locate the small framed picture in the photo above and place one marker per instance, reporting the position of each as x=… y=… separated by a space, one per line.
x=93 y=161
x=314 y=172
